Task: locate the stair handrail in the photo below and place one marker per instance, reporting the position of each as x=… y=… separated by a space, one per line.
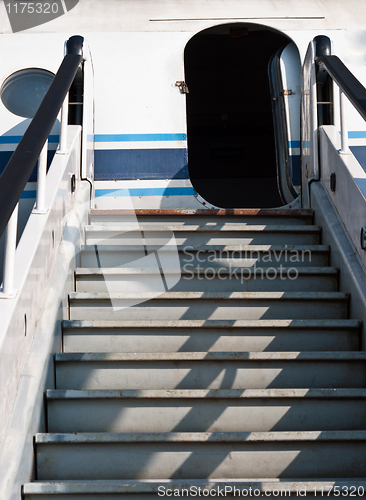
x=21 y=164
x=342 y=76
x=349 y=88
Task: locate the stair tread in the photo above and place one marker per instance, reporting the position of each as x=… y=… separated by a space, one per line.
x=207 y=394
x=275 y=212
x=153 y=227
x=211 y=323
x=152 y=485
x=216 y=356
x=198 y=437
x=213 y=295
x=193 y=247
x=101 y=271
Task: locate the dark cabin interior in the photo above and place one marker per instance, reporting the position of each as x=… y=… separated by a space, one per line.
x=231 y=149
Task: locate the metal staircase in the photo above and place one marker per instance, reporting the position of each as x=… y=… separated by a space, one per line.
x=252 y=379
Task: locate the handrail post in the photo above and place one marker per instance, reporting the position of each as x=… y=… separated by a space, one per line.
x=9 y=255
x=62 y=149
x=314 y=122
x=72 y=46
x=344 y=130
x=41 y=181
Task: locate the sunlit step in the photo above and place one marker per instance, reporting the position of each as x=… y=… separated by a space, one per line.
x=212 y=370
x=242 y=216
x=194 y=234
x=211 y=335
x=208 y=305
x=148 y=489
x=220 y=410
x=212 y=255
x=198 y=279
x=305 y=455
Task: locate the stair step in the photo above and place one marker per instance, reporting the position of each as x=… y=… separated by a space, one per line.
x=305 y=455
x=210 y=235
x=216 y=255
x=211 y=335
x=233 y=279
x=142 y=489
x=248 y=216
x=234 y=410
x=211 y=370
x=208 y=305
x=164 y=383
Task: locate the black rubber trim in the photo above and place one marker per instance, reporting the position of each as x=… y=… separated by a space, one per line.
x=75 y=45
x=322 y=45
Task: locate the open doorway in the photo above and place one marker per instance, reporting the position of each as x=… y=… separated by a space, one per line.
x=231 y=145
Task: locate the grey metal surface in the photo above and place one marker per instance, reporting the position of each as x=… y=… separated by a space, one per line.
x=201 y=217
x=193 y=234
x=145 y=496
x=216 y=255
x=145 y=220
x=210 y=370
x=343 y=255
x=306 y=455
x=197 y=279
x=77 y=490
x=209 y=305
x=208 y=335
x=206 y=411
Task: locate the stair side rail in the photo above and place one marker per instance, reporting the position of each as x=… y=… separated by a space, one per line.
x=331 y=160
x=33 y=146
x=349 y=88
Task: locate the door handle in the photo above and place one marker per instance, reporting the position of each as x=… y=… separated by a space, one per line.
x=183 y=87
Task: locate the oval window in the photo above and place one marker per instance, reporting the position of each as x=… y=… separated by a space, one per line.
x=23 y=91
